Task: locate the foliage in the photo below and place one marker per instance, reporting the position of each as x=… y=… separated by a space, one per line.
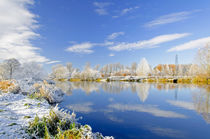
x=9 y=86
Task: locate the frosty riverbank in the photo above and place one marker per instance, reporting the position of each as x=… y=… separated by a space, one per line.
x=18 y=110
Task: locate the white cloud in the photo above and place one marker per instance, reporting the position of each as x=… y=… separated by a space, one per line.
x=101 y=7
x=148 y=43
x=17 y=25
x=111 y=55
x=125 y=11
x=169 y=18
x=81 y=48
x=53 y=62
x=115 y=35
x=191 y=45
x=86 y=47
x=147 y=109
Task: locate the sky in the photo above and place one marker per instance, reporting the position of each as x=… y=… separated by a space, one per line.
x=103 y=31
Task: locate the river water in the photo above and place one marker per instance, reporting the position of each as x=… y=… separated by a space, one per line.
x=140 y=110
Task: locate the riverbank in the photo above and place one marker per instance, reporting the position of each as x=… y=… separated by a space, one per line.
x=171 y=79
x=18 y=112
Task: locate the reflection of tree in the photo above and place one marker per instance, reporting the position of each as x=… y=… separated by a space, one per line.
x=142 y=90
x=171 y=86
x=65 y=87
x=87 y=87
x=113 y=87
x=201 y=101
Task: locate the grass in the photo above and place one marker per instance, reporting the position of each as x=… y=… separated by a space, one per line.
x=12 y=124
x=37 y=96
x=74 y=80
x=27 y=117
x=201 y=80
x=53 y=127
x=62 y=80
x=27 y=105
x=1 y=110
x=5 y=86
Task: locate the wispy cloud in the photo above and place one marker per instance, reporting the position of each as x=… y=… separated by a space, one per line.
x=101 y=7
x=169 y=18
x=17 y=30
x=115 y=35
x=53 y=62
x=126 y=11
x=86 y=47
x=147 y=43
x=191 y=45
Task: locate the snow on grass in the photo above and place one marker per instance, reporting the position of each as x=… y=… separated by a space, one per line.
x=16 y=111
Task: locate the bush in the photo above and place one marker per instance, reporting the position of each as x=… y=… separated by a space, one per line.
x=53 y=126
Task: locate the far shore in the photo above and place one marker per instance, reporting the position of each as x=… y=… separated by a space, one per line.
x=158 y=79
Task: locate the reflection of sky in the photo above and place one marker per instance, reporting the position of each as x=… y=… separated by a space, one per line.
x=130 y=110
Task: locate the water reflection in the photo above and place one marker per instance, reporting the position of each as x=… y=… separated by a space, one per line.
x=167 y=132
x=200 y=103
x=163 y=110
x=151 y=109
x=142 y=89
x=82 y=107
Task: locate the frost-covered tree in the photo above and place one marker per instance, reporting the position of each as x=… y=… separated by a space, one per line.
x=203 y=59
x=75 y=74
x=2 y=72
x=133 y=68
x=97 y=67
x=89 y=74
x=11 y=65
x=194 y=70
x=70 y=68
x=60 y=72
x=143 y=68
x=31 y=70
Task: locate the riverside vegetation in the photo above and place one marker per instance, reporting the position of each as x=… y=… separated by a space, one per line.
x=197 y=73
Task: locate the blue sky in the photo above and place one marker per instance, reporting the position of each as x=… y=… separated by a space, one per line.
x=105 y=31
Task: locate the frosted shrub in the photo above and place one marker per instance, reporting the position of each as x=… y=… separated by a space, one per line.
x=9 y=86
x=49 y=91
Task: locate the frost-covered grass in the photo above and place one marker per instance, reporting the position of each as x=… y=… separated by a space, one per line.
x=29 y=116
x=59 y=125
x=16 y=111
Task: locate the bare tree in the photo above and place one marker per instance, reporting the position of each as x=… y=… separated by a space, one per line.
x=133 y=68
x=11 y=65
x=203 y=59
